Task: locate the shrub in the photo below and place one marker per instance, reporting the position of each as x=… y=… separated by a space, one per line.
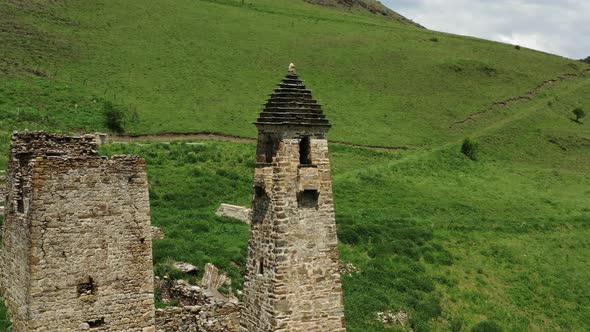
x=487 y=326
x=456 y=324
x=579 y=113
x=517 y=47
x=113 y=117
x=470 y=149
x=434 y=39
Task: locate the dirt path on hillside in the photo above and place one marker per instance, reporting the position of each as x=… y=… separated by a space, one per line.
x=179 y=136
x=224 y=137
x=520 y=99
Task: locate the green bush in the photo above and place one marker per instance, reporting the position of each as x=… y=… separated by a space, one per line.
x=579 y=113
x=456 y=324
x=113 y=117
x=470 y=149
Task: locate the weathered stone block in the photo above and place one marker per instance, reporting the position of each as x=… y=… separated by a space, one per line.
x=237 y=212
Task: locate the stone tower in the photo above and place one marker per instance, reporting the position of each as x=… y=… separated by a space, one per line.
x=76 y=243
x=292 y=279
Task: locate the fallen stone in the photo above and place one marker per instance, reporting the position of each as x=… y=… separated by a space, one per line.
x=234 y=211
x=199 y=309
x=400 y=318
x=157 y=233
x=101 y=138
x=347 y=269
x=186 y=267
x=212 y=279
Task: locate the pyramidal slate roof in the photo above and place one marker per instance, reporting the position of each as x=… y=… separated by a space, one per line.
x=292 y=104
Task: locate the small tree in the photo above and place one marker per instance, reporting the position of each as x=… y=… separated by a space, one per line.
x=470 y=149
x=587 y=60
x=579 y=113
x=113 y=117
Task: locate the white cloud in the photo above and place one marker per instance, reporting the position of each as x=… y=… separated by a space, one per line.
x=556 y=26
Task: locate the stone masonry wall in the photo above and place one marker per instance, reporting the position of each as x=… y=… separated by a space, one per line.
x=2 y=192
x=76 y=241
x=292 y=281
x=199 y=308
x=14 y=267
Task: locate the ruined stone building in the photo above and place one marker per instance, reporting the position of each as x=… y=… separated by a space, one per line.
x=292 y=281
x=76 y=248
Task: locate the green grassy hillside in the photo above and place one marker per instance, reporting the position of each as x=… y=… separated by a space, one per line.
x=192 y=65
x=455 y=242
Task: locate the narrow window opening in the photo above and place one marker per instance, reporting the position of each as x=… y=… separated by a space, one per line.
x=269 y=150
x=260 y=204
x=20 y=202
x=308 y=199
x=86 y=287
x=23 y=161
x=24 y=158
x=96 y=323
x=261 y=266
x=305 y=151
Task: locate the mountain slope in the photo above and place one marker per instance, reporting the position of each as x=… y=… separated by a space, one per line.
x=453 y=242
x=372 y=6
x=193 y=66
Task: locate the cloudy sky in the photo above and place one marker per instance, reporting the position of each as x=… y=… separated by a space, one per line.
x=555 y=26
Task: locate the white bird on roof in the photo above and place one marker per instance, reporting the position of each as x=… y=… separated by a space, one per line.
x=292 y=69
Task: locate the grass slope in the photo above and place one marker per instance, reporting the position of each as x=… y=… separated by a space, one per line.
x=456 y=243
x=194 y=65
x=453 y=242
